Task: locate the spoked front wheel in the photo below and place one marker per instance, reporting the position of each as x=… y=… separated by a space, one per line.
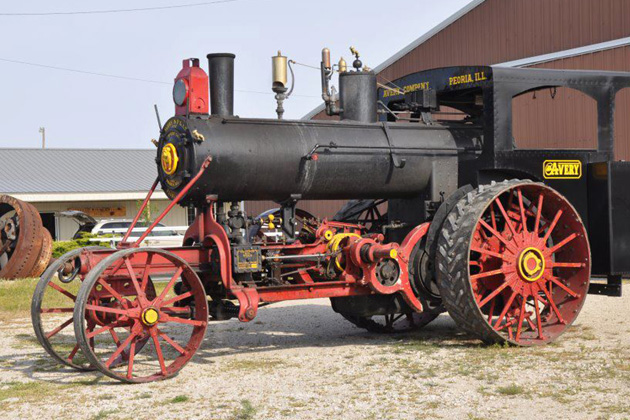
x=115 y=314
x=514 y=263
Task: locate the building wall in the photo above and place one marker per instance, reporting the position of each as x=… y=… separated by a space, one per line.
x=617 y=59
x=67 y=227
x=498 y=31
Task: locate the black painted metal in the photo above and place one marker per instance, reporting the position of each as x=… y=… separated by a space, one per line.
x=221 y=75
x=357 y=91
x=414 y=165
x=256 y=159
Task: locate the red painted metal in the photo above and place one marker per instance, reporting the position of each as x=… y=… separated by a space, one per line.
x=142 y=207
x=174 y=202
x=197 y=88
x=529 y=257
x=128 y=304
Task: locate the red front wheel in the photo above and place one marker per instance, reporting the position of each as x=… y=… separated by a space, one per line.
x=116 y=315
x=514 y=263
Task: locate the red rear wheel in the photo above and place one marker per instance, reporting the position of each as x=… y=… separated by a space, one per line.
x=514 y=263
x=115 y=315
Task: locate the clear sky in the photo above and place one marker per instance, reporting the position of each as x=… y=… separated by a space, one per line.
x=88 y=111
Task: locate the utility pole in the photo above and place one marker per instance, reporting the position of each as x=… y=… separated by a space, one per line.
x=43 y=131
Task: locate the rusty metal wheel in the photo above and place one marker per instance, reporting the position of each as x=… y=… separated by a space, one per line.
x=514 y=263
x=114 y=315
x=45 y=254
x=52 y=308
x=21 y=238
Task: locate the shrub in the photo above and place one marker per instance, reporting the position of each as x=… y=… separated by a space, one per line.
x=61 y=247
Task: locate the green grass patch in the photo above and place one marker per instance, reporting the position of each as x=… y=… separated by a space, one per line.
x=257 y=364
x=511 y=390
x=245 y=412
x=15 y=298
x=103 y=414
x=179 y=399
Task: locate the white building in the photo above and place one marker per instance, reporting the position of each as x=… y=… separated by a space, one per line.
x=104 y=183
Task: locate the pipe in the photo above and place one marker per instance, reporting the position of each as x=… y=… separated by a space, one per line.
x=221 y=76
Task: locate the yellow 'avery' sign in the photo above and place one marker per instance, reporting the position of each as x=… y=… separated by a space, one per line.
x=562 y=169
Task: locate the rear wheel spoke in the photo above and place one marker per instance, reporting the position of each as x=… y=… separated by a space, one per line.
x=552 y=303
x=508 y=222
x=538 y=214
x=522 y=209
x=493 y=294
x=562 y=243
x=552 y=226
x=62 y=291
x=59 y=328
x=521 y=315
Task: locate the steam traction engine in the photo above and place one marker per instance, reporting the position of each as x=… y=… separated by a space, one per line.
x=445 y=216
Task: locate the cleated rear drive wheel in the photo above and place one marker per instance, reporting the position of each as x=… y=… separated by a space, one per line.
x=514 y=263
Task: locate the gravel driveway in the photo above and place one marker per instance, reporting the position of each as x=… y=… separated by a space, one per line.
x=302 y=360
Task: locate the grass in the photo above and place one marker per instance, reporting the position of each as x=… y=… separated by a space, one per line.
x=179 y=399
x=245 y=412
x=511 y=390
x=257 y=364
x=15 y=298
x=103 y=414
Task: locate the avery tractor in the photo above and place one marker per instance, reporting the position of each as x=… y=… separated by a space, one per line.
x=442 y=216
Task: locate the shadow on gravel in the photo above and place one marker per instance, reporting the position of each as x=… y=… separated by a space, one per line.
x=315 y=325
x=303 y=325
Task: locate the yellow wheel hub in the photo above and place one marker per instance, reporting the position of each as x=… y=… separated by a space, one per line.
x=150 y=317
x=531 y=264
x=170 y=159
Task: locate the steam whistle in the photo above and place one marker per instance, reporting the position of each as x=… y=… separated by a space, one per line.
x=329 y=93
x=279 y=64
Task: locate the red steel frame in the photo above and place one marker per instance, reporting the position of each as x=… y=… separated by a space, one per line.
x=358 y=279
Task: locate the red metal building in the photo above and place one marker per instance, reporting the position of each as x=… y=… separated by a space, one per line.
x=560 y=34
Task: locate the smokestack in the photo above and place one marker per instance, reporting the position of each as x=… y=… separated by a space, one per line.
x=221 y=75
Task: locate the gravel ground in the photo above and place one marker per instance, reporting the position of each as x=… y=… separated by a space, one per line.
x=302 y=360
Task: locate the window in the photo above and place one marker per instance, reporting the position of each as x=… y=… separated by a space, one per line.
x=554 y=118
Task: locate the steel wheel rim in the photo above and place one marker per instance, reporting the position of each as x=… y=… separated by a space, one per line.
x=529 y=280
x=43 y=335
x=144 y=318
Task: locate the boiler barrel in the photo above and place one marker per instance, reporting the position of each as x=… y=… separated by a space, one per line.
x=255 y=159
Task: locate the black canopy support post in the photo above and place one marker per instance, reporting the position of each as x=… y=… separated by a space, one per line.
x=605 y=116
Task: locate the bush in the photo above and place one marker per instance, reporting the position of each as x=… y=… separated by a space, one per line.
x=61 y=247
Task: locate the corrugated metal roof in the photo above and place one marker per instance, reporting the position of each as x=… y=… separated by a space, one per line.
x=574 y=52
x=76 y=170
